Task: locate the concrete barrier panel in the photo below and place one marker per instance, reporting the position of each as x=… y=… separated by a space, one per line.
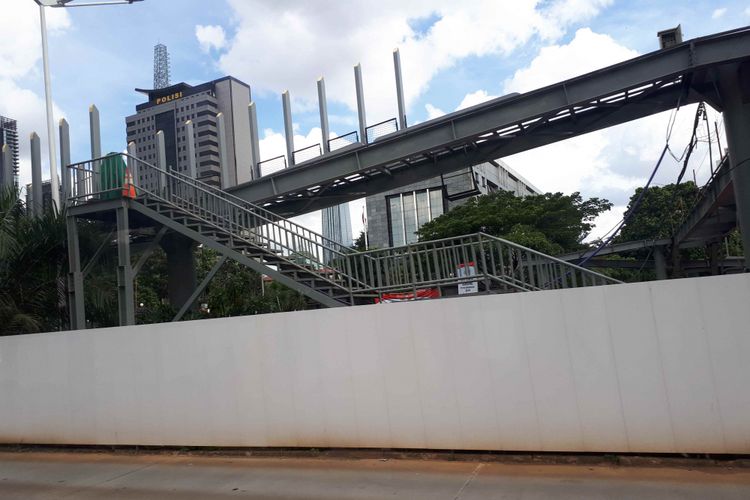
x=648 y=367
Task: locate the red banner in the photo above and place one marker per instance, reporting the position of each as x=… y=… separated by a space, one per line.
x=422 y=294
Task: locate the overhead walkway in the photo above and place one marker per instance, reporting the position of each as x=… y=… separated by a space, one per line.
x=295 y=256
x=655 y=82
x=711 y=218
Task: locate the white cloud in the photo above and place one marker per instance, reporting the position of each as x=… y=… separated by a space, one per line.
x=747 y=11
x=302 y=41
x=474 y=98
x=588 y=51
x=210 y=37
x=719 y=13
x=20 y=56
x=433 y=112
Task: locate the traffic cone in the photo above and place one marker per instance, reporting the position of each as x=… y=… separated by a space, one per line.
x=128 y=189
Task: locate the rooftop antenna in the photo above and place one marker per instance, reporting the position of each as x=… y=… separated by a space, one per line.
x=161 y=66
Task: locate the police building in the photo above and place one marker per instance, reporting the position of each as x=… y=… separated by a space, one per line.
x=169 y=108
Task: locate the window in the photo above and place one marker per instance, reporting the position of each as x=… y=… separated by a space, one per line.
x=407 y=212
x=395 y=215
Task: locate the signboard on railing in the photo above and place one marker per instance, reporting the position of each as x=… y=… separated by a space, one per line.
x=422 y=294
x=465 y=271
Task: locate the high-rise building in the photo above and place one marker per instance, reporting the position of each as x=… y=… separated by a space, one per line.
x=9 y=136
x=169 y=108
x=46 y=195
x=337 y=226
x=394 y=217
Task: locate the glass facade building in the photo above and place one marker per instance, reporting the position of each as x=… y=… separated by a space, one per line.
x=394 y=217
x=409 y=211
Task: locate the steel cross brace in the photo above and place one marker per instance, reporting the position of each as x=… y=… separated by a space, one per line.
x=199 y=289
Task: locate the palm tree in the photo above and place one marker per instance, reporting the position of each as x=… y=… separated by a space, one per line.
x=32 y=268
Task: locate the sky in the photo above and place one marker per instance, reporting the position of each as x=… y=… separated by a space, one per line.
x=455 y=53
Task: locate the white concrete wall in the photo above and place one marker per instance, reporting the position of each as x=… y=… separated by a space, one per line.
x=660 y=367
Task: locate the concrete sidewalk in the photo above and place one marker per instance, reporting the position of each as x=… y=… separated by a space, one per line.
x=48 y=475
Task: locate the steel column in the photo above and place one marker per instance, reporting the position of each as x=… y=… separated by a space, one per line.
x=360 y=104
x=323 y=107
x=399 y=90
x=76 y=302
x=254 y=141
x=161 y=157
x=223 y=160
x=37 y=203
x=734 y=85
x=192 y=167
x=125 y=295
x=660 y=263
x=96 y=144
x=288 y=128
x=50 y=119
x=181 y=275
x=65 y=161
x=132 y=164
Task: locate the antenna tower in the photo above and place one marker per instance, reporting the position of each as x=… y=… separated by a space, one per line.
x=161 y=66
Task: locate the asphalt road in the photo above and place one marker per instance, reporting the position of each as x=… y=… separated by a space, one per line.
x=35 y=475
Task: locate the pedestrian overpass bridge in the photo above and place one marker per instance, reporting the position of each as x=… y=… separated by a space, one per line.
x=248 y=222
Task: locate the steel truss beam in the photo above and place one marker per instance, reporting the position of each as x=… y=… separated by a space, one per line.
x=627 y=91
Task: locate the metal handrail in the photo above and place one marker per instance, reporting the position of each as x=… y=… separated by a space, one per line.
x=256 y=221
x=407 y=267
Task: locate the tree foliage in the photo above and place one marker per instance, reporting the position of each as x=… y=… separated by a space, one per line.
x=32 y=264
x=552 y=223
x=661 y=212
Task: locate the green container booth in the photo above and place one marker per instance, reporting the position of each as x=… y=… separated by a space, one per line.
x=112 y=176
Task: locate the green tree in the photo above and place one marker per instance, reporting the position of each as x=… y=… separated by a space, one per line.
x=32 y=269
x=552 y=223
x=660 y=213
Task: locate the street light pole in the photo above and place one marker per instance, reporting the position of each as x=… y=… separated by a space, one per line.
x=50 y=119
x=55 y=188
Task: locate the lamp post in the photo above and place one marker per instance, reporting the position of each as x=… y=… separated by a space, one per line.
x=47 y=84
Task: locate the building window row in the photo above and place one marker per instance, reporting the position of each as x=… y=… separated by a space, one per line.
x=407 y=212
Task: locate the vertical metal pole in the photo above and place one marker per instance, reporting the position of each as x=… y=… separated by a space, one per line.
x=288 y=128
x=734 y=86
x=360 y=104
x=36 y=176
x=96 y=146
x=660 y=263
x=125 y=296
x=192 y=167
x=65 y=160
x=223 y=160
x=399 y=89
x=132 y=164
x=254 y=140
x=7 y=162
x=76 y=303
x=323 y=106
x=50 y=119
x=161 y=156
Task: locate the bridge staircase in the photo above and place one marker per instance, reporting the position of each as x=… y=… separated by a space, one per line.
x=323 y=270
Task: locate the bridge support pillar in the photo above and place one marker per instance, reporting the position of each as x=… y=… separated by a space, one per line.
x=735 y=93
x=181 y=280
x=660 y=263
x=76 y=311
x=125 y=294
